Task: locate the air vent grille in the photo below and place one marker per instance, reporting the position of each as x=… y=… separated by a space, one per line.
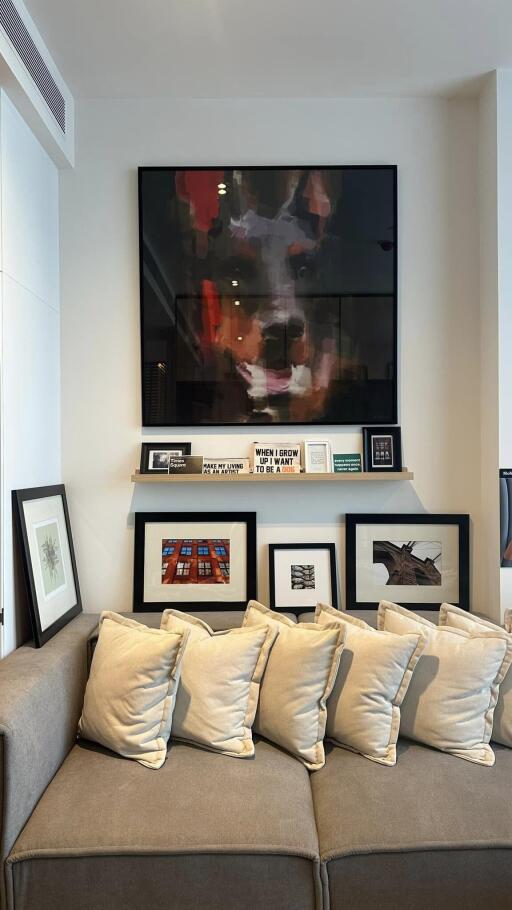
x=22 y=41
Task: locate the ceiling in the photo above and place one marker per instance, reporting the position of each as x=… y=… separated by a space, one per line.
x=274 y=48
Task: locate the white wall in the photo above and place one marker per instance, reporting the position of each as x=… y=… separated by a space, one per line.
x=434 y=144
x=30 y=342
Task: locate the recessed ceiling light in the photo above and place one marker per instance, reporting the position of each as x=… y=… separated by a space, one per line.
x=237 y=303
x=222 y=192
x=221 y=186
x=234 y=282
x=240 y=338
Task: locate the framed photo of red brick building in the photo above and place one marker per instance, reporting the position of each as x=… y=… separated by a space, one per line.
x=205 y=561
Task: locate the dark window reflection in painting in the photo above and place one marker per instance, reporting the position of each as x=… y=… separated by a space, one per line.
x=268 y=296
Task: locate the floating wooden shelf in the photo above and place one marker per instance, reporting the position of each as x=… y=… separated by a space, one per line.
x=272 y=478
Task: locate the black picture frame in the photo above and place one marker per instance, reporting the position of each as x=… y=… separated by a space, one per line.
x=19 y=498
x=143 y=518
x=182 y=448
x=462 y=522
x=298 y=545
x=147 y=410
x=370 y=437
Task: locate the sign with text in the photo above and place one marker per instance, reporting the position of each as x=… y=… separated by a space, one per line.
x=225 y=466
x=346 y=464
x=280 y=458
x=185 y=464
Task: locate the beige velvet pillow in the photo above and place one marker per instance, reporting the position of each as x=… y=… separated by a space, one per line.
x=455 y=618
x=363 y=710
x=298 y=679
x=130 y=693
x=220 y=683
x=453 y=693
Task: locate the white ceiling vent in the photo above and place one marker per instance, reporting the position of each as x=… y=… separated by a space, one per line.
x=24 y=44
x=30 y=76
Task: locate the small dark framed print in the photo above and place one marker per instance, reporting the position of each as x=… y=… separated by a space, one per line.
x=382 y=448
x=418 y=561
x=195 y=560
x=42 y=521
x=302 y=575
x=155 y=457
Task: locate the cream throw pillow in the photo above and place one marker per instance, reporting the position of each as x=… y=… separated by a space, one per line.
x=298 y=679
x=130 y=693
x=451 y=699
x=455 y=618
x=220 y=682
x=363 y=710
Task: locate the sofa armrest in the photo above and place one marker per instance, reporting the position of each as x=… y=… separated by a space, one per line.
x=41 y=696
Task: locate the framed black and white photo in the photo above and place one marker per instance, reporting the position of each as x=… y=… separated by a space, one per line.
x=199 y=560
x=317 y=456
x=418 y=561
x=302 y=575
x=42 y=520
x=156 y=456
x=382 y=449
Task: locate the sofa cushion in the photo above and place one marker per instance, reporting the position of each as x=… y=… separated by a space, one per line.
x=202 y=832
x=430 y=832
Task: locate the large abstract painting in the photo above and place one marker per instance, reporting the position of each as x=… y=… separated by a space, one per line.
x=268 y=295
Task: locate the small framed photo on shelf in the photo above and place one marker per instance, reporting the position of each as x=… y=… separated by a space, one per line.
x=44 y=531
x=194 y=560
x=317 y=456
x=418 y=561
x=301 y=575
x=156 y=456
x=382 y=449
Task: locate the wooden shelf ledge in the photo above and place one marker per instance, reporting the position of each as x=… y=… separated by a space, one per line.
x=274 y=478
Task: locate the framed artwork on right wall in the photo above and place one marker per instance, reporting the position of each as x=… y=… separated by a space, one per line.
x=419 y=561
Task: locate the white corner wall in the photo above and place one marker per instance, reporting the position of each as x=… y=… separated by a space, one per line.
x=434 y=143
x=30 y=340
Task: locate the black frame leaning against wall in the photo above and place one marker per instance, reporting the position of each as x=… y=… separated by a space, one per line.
x=33 y=555
x=358 y=563
x=206 y=524
x=198 y=357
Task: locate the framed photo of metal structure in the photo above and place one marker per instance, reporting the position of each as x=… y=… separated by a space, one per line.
x=382 y=449
x=199 y=560
x=268 y=295
x=418 y=561
x=42 y=521
x=156 y=456
x=506 y=518
x=302 y=575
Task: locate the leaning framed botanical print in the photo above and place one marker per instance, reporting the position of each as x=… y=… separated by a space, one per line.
x=302 y=575
x=201 y=560
x=42 y=520
x=418 y=561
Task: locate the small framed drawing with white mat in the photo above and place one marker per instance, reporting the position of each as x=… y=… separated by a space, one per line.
x=302 y=575
x=42 y=520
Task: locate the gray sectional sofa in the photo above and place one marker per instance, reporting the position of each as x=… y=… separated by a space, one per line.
x=82 y=829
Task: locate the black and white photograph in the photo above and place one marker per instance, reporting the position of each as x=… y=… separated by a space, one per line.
x=44 y=536
x=156 y=457
x=382 y=449
x=418 y=561
x=301 y=575
x=302 y=578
